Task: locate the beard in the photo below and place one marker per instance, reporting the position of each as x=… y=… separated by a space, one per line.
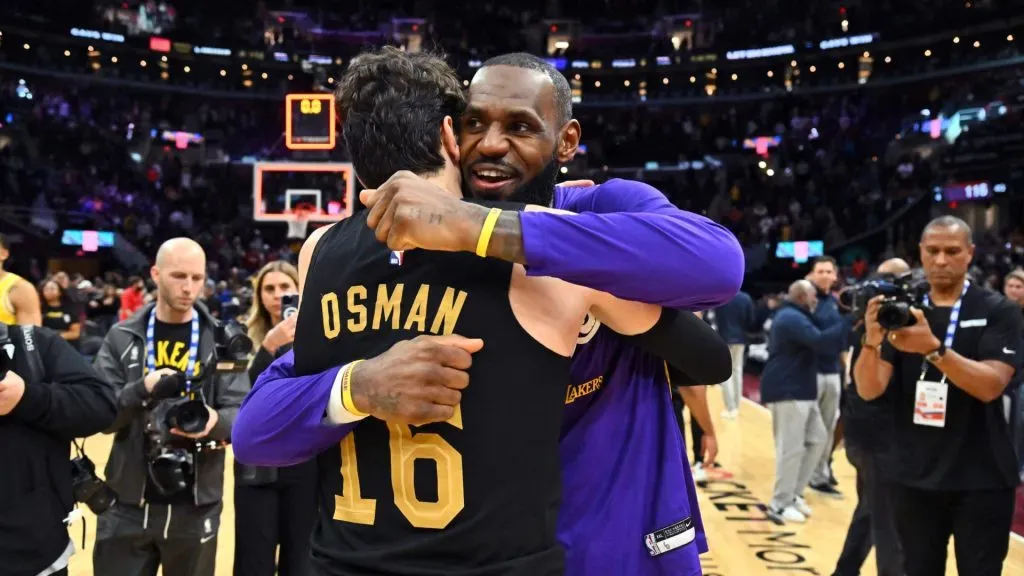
x=540 y=190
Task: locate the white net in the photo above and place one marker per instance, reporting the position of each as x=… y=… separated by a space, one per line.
x=298 y=227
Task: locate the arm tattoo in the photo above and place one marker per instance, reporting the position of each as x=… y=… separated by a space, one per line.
x=507 y=239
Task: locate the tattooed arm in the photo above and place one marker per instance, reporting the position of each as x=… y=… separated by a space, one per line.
x=624 y=234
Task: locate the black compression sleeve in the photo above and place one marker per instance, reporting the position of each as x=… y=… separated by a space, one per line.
x=690 y=345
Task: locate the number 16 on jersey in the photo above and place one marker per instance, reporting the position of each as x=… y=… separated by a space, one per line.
x=405 y=448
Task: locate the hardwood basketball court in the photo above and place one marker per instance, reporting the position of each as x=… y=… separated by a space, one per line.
x=743 y=541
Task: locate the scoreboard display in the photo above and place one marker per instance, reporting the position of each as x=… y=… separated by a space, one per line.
x=309 y=121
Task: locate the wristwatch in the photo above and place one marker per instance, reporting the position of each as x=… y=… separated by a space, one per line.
x=937 y=355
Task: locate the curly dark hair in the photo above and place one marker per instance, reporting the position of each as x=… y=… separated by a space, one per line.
x=391 y=105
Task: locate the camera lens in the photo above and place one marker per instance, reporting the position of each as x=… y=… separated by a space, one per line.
x=894 y=315
x=190 y=416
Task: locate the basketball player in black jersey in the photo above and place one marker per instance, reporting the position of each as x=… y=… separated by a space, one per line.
x=476 y=495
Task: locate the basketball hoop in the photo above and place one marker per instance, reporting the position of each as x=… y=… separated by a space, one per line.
x=299 y=224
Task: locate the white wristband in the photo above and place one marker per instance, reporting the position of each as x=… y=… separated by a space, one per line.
x=336 y=412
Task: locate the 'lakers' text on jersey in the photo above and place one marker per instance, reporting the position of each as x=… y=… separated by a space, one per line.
x=477 y=495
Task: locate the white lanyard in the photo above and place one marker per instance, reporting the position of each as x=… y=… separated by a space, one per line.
x=193 y=348
x=954 y=317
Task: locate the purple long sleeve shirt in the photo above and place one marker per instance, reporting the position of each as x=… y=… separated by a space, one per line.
x=639 y=247
x=628 y=240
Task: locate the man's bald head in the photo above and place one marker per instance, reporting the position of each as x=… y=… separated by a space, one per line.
x=895 y=266
x=179 y=273
x=179 y=248
x=799 y=288
x=803 y=294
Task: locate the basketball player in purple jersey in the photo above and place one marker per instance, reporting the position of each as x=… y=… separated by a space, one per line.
x=628 y=500
x=691 y=263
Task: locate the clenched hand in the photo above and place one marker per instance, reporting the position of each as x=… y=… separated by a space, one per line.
x=416 y=381
x=408 y=212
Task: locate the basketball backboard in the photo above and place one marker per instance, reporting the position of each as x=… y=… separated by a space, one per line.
x=325 y=191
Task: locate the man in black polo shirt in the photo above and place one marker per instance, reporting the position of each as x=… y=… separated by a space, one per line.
x=954 y=466
x=868 y=433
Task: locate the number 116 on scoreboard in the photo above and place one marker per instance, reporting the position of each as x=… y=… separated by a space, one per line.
x=309 y=121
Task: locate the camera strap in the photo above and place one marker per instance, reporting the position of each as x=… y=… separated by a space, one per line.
x=193 y=348
x=954 y=319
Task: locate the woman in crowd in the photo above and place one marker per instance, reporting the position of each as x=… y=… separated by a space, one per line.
x=273 y=506
x=103 y=309
x=58 y=312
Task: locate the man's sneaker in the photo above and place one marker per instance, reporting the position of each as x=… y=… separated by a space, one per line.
x=729 y=414
x=787 y=514
x=801 y=505
x=826 y=489
x=699 y=474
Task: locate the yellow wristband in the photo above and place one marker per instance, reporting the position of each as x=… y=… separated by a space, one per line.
x=346 y=391
x=486 y=231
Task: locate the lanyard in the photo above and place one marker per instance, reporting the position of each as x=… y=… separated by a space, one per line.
x=193 y=348
x=954 y=317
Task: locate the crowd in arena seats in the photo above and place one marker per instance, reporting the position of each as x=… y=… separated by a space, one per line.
x=835 y=172
x=89 y=148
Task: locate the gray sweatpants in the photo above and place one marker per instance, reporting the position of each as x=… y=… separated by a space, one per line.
x=799 y=441
x=732 y=389
x=829 y=388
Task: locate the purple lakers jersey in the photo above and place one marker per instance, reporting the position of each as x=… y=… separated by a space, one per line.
x=628 y=500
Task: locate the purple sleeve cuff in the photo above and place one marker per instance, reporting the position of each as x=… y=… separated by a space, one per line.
x=281 y=421
x=671 y=258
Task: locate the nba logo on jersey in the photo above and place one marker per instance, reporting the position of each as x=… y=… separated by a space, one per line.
x=651 y=544
x=397 y=256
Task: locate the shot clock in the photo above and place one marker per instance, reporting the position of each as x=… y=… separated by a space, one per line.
x=309 y=121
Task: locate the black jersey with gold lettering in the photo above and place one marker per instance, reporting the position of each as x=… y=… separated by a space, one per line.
x=477 y=495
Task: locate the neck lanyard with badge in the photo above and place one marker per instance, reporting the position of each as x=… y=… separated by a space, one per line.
x=193 y=349
x=931 y=398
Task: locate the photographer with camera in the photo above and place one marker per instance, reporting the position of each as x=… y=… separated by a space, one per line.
x=867 y=437
x=274 y=506
x=176 y=406
x=944 y=368
x=49 y=395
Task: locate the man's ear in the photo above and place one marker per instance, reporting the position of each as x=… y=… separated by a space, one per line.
x=569 y=141
x=449 y=141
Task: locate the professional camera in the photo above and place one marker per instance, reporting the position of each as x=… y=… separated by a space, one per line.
x=233 y=347
x=88 y=488
x=172 y=458
x=900 y=292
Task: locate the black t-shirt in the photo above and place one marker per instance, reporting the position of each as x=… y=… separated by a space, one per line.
x=974 y=450
x=59 y=318
x=171 y=343
x=866 y=424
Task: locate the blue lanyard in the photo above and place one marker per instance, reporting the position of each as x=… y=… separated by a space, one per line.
x=954 y=317
x=193 y=348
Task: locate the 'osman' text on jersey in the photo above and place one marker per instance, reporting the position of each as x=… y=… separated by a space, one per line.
x=395 y=307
